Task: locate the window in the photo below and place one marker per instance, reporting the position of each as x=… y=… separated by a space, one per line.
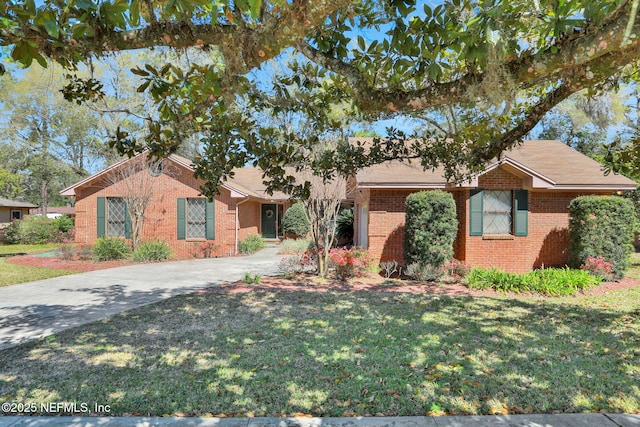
x=116 y=217
x=16 y=214
x=196 y=218
x=112 y=217
x=498 y=212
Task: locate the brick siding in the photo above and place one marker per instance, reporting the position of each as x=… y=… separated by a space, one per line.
x=545 y=245
x=161 y=215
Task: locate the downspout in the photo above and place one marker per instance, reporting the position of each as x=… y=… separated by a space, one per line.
x=236 y=227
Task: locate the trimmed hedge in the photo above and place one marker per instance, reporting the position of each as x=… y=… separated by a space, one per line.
x=295 y=221
x=601 y=226
x=431 y=228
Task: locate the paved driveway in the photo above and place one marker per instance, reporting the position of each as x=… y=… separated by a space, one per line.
x=36 y=309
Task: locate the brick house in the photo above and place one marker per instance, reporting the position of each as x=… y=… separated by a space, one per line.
x=177 y=213
x=514 y=215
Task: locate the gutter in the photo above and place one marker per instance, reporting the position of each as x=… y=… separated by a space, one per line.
x=235 y=249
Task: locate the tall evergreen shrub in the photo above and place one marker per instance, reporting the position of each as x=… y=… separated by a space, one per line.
x=430 y=228
x=601 y=226
x=295 y=221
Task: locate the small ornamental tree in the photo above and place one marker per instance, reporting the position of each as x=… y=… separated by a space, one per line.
x=295 y=221
x=601 y=226
x=431 y=228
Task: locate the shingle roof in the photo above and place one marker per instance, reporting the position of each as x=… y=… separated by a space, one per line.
x=552 y=164
x=6 y=203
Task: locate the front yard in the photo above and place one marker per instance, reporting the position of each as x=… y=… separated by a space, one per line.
x=11 y=273
x=239 y=353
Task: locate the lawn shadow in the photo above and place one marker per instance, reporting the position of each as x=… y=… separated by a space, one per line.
x=339 y=353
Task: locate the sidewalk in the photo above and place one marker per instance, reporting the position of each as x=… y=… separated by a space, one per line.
x=532 y=420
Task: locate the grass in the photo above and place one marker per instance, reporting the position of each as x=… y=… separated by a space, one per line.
x=350 y=353
x=28 y=249
x=11 y=274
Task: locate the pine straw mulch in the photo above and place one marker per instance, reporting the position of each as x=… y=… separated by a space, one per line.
x=313 y=284
x=379 y=284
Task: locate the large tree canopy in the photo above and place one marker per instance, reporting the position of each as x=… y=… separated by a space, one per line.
x=503 y=63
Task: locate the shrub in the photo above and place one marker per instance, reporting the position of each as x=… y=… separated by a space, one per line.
x=349 y=262
x=390 y=268
x=152 y=250
x=550 y=281
x=251 y=278
x=601 y=226
x=431 y=227
x=205 y=250
x=598 y=267
x=253 y=243
x=295 y=221
x=344 y=225
x=110 y=248
x=422 y=272
x=38 y=229
x=294 y=246
x=455 y=269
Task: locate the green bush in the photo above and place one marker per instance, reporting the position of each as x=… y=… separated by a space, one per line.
x=344 y=225
x=295 y=221
x=294 y=246
x=431 y=228
x=601 y=226
x=152 y=250
x=110 y=248
x=38 y=229
x=253 y=243
x=549 y=281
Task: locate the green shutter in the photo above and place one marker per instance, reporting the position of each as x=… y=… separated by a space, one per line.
x=475 y=213
x=127 y=222
x=211 y=219
x=182 y=221
x=521 y=213
x=101 y=216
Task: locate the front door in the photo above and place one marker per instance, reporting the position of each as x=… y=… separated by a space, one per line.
x=269 y=218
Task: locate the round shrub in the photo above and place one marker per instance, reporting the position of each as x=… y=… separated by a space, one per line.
x=253 y=243
x=430 y=228
x=152 y=250
x=601 y=226
x=295 y=221
x=110 y=248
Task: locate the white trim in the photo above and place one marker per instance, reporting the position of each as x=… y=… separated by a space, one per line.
x=11 y=218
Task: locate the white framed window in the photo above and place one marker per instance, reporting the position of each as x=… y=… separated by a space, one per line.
x=497 y=212
x=16 y=214
x=116 y=217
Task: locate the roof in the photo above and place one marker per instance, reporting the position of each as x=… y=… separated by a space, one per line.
x=6 y=203
x=66 y=210
x=543 y=164
x=246 y=182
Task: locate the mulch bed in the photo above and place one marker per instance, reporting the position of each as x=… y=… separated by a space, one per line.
x=61 y=264
x=310 y=283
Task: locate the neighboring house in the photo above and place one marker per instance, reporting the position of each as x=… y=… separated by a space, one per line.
x=177 y=213
x=11 y=210
x=514 y=215
x=55 y=211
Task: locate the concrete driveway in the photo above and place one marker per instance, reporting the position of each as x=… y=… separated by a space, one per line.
x=37 y=309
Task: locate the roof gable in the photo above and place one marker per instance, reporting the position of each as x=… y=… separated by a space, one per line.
x=542 y=164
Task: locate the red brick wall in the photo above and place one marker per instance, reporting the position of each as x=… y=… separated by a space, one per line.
x=545 y=245
x=161 y=215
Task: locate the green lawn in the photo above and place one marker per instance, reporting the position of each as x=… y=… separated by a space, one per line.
x=11 y=274
x=342 y=353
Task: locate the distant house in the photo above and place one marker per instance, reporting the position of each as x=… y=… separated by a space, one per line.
x=11 y=210
x=177 y=213
x=55 y=211
x=514 y=215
